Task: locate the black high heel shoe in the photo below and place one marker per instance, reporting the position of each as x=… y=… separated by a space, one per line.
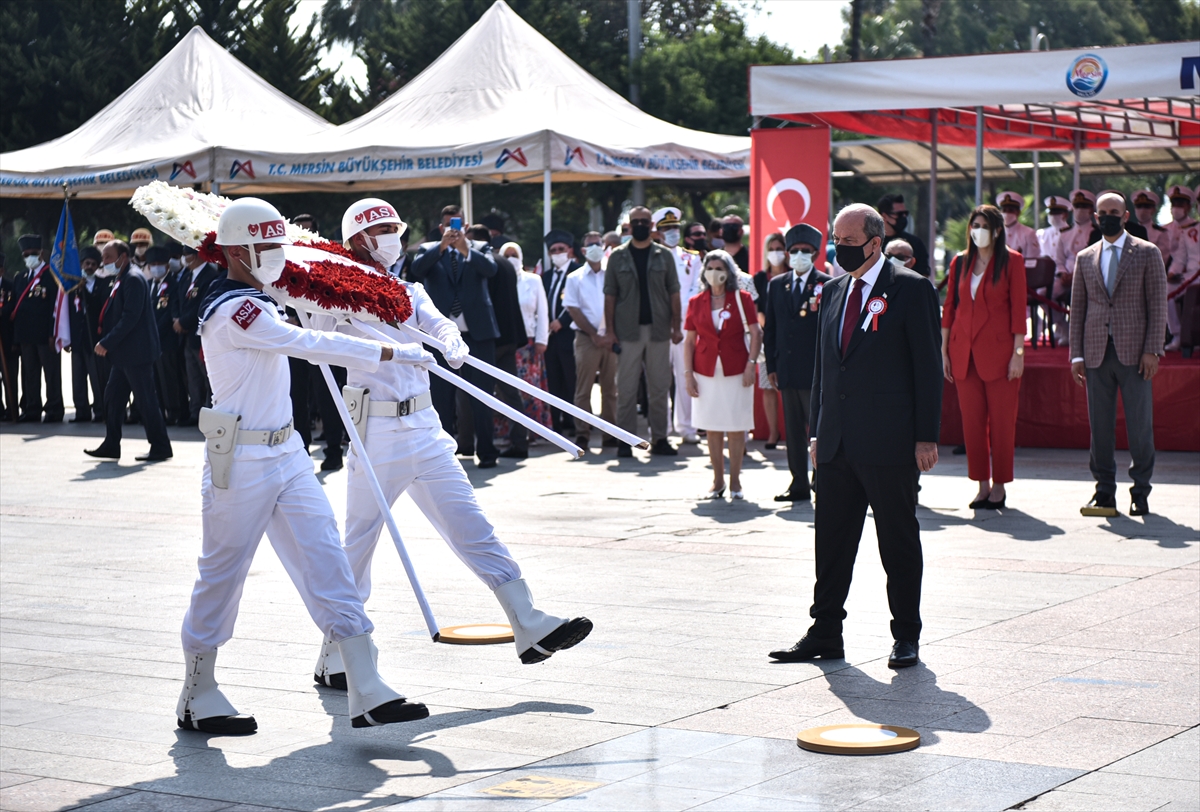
x=990 y=505
x=979 y=504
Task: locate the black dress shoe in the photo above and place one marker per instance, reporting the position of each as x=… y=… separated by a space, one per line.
x=240 y=725
x=582 y=442
x=1139 y=507
x=959 y=450
x=1102 y=504
x=398 y=710
x=187 y=422
x=664 y=449
x=154 y=456
x=486 y=463
x=29 y=418
x=463 y=451
x=331 y=464
x=811 y=648
x=624 y=451
x=794 y=496
x=515 y=454
x=102 y=453
x=336 y=681
x=904 y=654
x=569 y=634
x=771 y=446
x=78 y=419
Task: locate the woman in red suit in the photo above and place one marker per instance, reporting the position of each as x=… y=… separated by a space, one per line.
x=983 y=350
x=719 y=374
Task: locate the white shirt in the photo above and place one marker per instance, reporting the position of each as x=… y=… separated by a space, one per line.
x=801 y=279
x=689 y=266
x=868 y=283
x=393 y=381
x=585 y=290
x=1022 y=238
x=246 y=343
x=532 y=294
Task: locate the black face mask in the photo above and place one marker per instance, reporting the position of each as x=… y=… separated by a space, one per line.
x=1110 y=224
x=640 y=232
x=852 y=257
x=696 y=243
x=901 y=222
x=731 y=232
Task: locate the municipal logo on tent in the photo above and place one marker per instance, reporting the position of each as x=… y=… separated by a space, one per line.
x=572 y=154
x=241 y=168
x=184 y=168
x=1087 y=75
x=516 y=154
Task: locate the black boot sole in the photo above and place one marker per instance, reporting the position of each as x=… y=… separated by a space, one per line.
x=398 y=710
x=240 y=725
x=564 y=637
x=830 y=654
x=335 y=681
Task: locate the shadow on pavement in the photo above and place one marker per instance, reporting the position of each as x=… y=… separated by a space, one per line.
x=109 y=470
x=1159 y=529
x=1009 y=521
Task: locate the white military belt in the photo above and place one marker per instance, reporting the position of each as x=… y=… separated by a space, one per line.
x=403 y=408
x=267 y=438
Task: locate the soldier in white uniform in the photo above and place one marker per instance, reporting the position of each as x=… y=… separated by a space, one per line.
x=257 y=478
x=1184 y=260
x=1056 y=215
x=392 y=410
x=1070 y=243
x=689 y=265
x=1017 y=235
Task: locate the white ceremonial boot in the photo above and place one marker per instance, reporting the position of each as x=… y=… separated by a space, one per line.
x=203 y=707
x=372 y=702
x=330 y=671
x=537 y=634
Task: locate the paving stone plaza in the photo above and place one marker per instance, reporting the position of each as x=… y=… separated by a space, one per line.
x=1061 y=655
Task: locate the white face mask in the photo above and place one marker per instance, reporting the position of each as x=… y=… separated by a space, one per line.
x=478 y=245
x=560 y=260
x=157 y=271
x=593 y=253
x=269 y=265
x=175 y=265
x=1059 y=221
x=776 y=258
x=626 y=238
x=107 y=269
x=801 y=262
x=140 y=250
x=714 y=277
x=1179 y=213
x=982 y=237
x=1010 y=219
x=32 y=261
x=386 y=250
x=515 y=261
x=717 y=242
x=671 y=237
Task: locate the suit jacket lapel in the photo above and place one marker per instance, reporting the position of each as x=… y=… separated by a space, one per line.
x=836 y=304
x=883 y=282
x=1123 y=264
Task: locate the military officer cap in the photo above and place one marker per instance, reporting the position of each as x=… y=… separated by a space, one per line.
x=1010 y=199
x=30 y=242
x=89 y=252
x=157 y=254
x=492 y=222
x=103 y=236
x=1055 y=203
x=1182 y=194
x=667 y=217
x=1145 y=197
x=1082 y=197
x=802 y=233
x=559 y=235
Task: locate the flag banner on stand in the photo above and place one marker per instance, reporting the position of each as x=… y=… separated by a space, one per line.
x=64 y=257
x=789 y=184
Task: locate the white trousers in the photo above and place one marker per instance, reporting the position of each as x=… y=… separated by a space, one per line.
x=681 y=416
x=422 y=462
x=280 y=496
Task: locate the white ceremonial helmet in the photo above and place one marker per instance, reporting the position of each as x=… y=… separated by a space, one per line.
x=250 y=221
x=369 y=211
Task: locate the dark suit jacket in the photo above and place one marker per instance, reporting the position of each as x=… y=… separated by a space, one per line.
x=192 y=295
x=789 y=339
x=433 y=269
x=128 y=330
x=166 y=307
x=556 y=308
x=885 y=395
x=506 y=303
x=33 y=316
x=93 y=301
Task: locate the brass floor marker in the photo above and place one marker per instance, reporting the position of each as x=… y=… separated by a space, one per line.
x=858 y=740
x=476 y=634
x=538 y=786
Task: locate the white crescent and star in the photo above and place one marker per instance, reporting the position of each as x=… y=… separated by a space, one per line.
x=788 y=185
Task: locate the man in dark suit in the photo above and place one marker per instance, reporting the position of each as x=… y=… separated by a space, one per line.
x=194 y=282
x=168 y=369
x=790 y=341
x=32 y=315
x=560 y=347
x=11 y=360
x=506 y=303
x=876 y=408
x=456 y=275
x=129 y=340
x=895 y=220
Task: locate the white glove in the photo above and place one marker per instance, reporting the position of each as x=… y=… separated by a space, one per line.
x=456 y=352
x=413 y=354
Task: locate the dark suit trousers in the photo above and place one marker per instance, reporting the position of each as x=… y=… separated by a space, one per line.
x=171 y=383
x=480 y=417
x=1137 y=394
x=38 y=360
x=83 y=371
x=300 y=391
x=333 y=431
x=560 y=376
x=138 y=379
x=506 y=359
x=795 y=423
x=199 y=395
x=847 y=488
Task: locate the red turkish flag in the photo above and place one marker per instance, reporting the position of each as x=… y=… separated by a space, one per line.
x=789 y=184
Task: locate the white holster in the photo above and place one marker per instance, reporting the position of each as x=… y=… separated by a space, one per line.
x=356 y=404
x=220 y=430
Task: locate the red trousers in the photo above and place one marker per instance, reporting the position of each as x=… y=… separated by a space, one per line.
x=989 y=421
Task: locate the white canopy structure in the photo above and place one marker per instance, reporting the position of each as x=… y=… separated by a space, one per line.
x=190 y=119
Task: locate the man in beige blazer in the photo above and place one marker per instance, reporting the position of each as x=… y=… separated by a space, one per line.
x=1118 y=322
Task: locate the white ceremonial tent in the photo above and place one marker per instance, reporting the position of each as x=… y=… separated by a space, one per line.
x=188 y=120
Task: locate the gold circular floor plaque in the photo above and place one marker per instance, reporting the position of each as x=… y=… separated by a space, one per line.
x=858 y=740
x=476 y=634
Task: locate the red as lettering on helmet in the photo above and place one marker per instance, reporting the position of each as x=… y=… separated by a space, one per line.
x=271 y=228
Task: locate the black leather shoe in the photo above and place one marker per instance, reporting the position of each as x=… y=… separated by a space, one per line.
x=624 y=451
x=331 y=464
x=187 y=422
x=486 y=463
x=904 y=654
x=102 y=453
x=154 y=456
x=582 y=442
x=1139 y=507
x=1102 y=504
x=794 y=496
x=570 y=633
x=664 y=449
x=398 y=710
x=240 y=725
x=811 y=648
x=29 y=418
x=336 y=681
x=515 y=454
x=959 y=450
x=79 y=419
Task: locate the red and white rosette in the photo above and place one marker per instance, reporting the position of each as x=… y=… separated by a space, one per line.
x=876 y=307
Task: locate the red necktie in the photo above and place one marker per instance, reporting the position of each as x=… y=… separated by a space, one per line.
x=853 y=310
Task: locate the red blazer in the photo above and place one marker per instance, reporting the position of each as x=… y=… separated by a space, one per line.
x=983 y=328
x=729 y=342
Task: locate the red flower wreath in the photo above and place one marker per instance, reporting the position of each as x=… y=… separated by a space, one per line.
x=333 y=286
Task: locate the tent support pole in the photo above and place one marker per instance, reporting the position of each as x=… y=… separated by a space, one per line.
x=216 y=187
x=978 y=156
x=1037 y=193
x=1075 y=168
x=545 y=217
x=466 y=200
x=933 y=167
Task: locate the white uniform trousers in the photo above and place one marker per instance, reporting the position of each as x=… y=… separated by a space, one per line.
x=278 y=495
x=681 y=415
x=420 y=460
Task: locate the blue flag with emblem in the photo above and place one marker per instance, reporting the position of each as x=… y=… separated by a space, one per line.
x=64 y=257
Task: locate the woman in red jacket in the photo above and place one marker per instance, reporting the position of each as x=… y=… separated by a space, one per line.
x=720 y=377
x=983 y=351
